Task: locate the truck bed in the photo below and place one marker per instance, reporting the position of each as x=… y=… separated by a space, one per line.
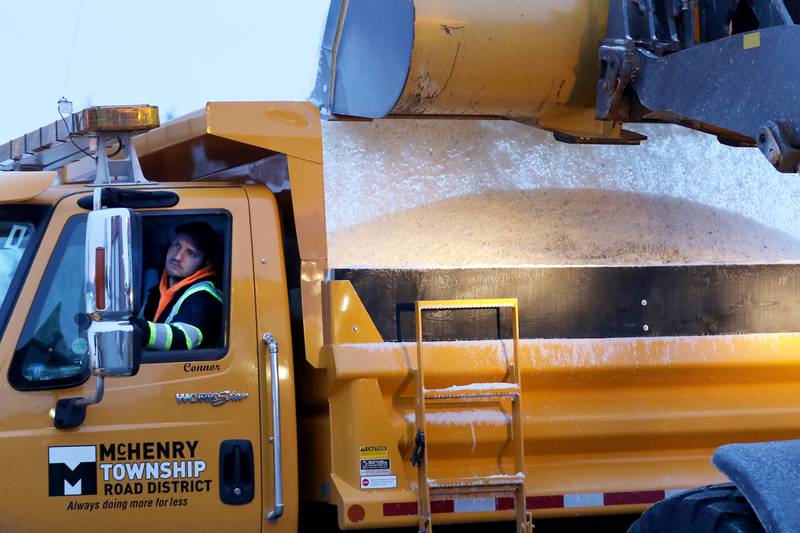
x=614 y=415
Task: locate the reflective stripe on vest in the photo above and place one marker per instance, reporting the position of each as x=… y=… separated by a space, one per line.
x=192 y=334
x=197 y=287
x=160 y=336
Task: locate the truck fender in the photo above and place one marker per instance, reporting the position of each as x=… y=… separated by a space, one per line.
x=768 y=474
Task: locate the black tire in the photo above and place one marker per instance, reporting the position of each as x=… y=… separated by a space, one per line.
x=710 y=509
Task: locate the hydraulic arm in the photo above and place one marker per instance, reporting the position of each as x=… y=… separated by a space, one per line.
x=720 y=66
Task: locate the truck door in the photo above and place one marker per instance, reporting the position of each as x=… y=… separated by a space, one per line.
x=175 y=447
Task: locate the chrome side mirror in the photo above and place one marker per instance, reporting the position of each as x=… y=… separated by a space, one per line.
x=110 y=293
x=115 y=349
x=115 y=345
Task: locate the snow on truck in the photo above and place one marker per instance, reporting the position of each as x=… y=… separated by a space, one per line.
x=401 y=396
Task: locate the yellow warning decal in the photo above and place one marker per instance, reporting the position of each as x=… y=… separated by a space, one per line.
x=752 y=40
x=380 y=451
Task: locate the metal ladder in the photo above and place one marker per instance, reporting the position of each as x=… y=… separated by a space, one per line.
x=468 y=394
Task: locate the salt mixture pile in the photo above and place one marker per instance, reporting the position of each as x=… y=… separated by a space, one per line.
x=423 y=193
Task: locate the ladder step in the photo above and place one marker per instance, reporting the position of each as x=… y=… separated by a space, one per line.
x=476 y=482
x=456 y=304
x=474 y=391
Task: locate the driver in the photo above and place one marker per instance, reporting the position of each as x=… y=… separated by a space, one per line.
x=184 y=310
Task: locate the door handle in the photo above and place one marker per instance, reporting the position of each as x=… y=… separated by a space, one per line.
x=272 y=348
x=236 y=480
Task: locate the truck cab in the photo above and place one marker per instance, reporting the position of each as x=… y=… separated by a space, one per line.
x=191 y=433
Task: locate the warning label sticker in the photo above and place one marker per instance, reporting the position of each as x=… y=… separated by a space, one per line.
x=378 y=482
x=380 y=451
x=375 y=467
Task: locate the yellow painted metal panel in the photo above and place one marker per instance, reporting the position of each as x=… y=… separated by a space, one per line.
x=291 y=128
x=312 y=275
x=272 y=315
x=308 y=204
x=229 y=134
x=368 y=435
x=599 y=415
x=347 y=321
x=171 y=133
x=21 y=186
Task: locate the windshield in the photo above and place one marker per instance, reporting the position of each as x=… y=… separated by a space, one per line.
x=18 y=237
x=52 y=349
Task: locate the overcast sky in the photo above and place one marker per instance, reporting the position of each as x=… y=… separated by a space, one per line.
x=176 y=54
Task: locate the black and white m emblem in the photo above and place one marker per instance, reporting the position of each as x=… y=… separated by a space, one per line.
x=72 y=470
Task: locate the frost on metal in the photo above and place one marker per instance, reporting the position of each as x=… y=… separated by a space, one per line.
x=483 y=386
x=464 y=417
x=436 y=193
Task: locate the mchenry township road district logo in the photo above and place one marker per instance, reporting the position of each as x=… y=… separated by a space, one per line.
x=72 y=470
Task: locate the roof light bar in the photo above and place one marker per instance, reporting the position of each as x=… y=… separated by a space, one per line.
x=116 y=119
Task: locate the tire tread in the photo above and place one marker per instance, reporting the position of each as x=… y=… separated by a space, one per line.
x=718 y=508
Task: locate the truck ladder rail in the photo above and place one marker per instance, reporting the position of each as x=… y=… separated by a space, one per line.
x=465 y=394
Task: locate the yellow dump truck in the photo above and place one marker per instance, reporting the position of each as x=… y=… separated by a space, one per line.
x=402 y=397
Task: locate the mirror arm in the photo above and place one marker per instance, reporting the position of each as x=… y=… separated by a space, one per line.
x=98 y=395
x=97 y=199
x=71 y=412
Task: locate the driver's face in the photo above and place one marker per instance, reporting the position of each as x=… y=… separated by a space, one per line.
x=183 y=258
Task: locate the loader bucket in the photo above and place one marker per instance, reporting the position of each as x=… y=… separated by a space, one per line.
x=534 y=62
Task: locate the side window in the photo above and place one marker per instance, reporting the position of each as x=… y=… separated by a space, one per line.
x=185 y=285
x=52 y=351
x=20 y=231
